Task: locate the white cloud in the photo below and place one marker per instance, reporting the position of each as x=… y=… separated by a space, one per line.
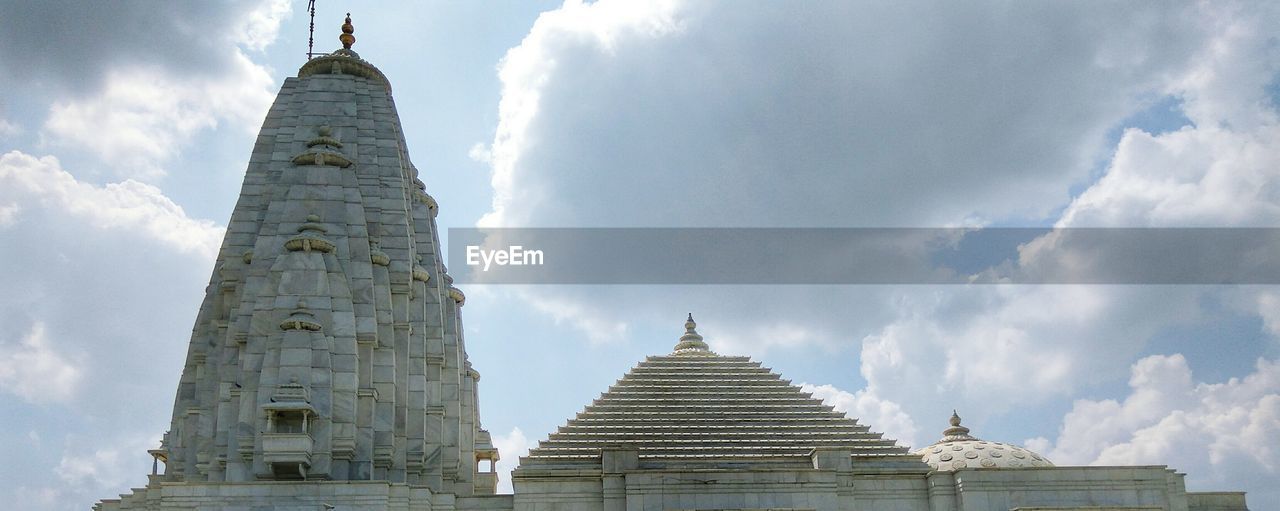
x=582 y=316
x=94 y=273
x=1268 y=306
x=480 y=153
x=758 y=338
x=8 y=214
x=1226 y=86
x=880 y=414
x=92 y=468
x=144 y=115
x=1222 y=171
x=261 y=24
x=45 y=497
x=36 y=372
x=511 y=447
x=988 y=350
x=98 y=468
x=1193 y=177
x=529 y=68
x=30 y=182
x=1220 y=434
x=9 y=129
x=133 y=103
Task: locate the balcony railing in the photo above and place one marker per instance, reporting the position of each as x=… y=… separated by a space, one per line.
x=286 y=448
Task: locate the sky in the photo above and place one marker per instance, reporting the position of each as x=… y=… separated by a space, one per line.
x=125 y=132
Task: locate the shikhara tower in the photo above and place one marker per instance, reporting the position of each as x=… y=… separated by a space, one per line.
x=329 y=344
x=327 y=370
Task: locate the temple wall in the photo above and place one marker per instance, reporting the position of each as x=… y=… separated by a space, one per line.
x=897 y=492
x=712 y=489
x=298 y=496
x=746 y=489
x=645 y=489
x=618 y=484
x=568 y=492
x=621 y=481
x=280 y=496
x=1216 y=501
x=1094 y=488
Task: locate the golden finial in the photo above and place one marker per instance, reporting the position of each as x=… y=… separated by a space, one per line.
x=346 y=37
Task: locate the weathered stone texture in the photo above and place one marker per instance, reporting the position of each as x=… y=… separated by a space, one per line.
x=314 y=289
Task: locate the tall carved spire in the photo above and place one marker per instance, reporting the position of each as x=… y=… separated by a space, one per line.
x=329 y=344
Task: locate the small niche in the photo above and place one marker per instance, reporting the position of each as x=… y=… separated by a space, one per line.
x=289 y=422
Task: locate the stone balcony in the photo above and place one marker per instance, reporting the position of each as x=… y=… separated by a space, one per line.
x=287 y=448
x=486 y=483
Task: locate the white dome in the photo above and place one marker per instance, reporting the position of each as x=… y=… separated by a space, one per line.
x=958 y=450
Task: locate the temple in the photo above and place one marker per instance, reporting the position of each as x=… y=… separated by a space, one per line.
x=327 y=369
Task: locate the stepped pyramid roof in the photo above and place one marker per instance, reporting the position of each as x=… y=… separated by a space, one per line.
x=695 y=404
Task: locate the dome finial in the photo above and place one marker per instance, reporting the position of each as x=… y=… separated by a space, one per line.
x=691 y=341
x=346 y=37
x=956 y=431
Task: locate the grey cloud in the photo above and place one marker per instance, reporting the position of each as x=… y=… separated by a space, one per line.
x=68 y=45
x=837 y=114
x=834 y=114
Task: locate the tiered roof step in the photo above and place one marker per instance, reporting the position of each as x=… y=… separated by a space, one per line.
x=752 y=370
x=677 y=382
x=713 y=456
x=794 y=395
x=705 y=443
x=718 y=359
x=714 y=437
x=701 y=429
x=720 y=445
x=701 y=362
x=707 y=407
x=700 y=416
x=701 y=375
x=768 y=387
x=721 y=451
x=696 y=399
